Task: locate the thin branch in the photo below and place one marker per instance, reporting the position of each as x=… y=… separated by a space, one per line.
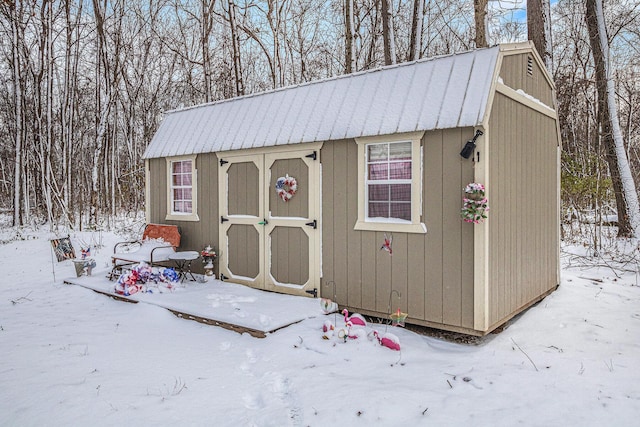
x=523 y=352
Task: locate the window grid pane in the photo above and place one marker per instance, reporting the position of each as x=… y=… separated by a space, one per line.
x=388 y=189
x=390 y=201
x=181 y=186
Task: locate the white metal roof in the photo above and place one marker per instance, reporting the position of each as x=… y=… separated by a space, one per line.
x=435 y=93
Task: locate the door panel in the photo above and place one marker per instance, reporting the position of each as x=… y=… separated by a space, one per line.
x=243 y=181
x=298 y=205
x=292 y=241
x=241 y=208
x=244 y=251
x=289 y=255
x=267 y=242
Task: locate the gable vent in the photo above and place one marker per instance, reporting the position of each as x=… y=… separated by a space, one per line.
x=529 y=65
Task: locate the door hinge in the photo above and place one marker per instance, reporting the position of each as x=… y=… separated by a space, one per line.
x=223 y=277
x=313 y=292
x=223 y=162
x=313 y=156
x=313 y=224
x=223 y=220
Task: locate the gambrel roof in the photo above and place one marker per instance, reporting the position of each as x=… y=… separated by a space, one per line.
x=435 y=93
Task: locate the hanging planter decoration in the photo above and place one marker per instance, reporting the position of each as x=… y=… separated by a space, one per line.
x=476 y=205
x=286 y=187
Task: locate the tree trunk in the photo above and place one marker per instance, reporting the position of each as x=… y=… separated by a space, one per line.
x=47 y=184
x=415 y=43
x=621 y=177
x=235 y=43
x=206 y=25
x=480 y=14
x=68 y=106
x=104 y=100
x=274 y=17
x=349 y=39
x=388 y=33
x=15 y=19
x=539 y=29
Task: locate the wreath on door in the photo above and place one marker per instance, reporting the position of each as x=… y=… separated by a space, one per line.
x=286 y=187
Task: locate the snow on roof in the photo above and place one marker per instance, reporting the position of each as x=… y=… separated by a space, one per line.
x=434 y=93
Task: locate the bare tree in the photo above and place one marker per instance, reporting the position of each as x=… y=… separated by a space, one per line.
x=68 y=113
x=415 y=42
x=15 y=17
x=480 y=14
x=107 y=76
x=235 y=43
x=388 y=33
x=206 y=25
x=610 y=132
x=539 y=29
x=349 y=38
x=83 y=84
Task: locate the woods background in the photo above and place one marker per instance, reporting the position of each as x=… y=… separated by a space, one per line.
x=83 y=84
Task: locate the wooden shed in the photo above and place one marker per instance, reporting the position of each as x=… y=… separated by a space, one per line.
x=298 y=187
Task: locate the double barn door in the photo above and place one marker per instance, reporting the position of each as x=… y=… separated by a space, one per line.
x=266 y=242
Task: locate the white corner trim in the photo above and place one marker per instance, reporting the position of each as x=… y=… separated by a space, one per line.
x=525 y=100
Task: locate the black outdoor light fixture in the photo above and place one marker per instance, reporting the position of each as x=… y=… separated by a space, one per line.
x=470 y=145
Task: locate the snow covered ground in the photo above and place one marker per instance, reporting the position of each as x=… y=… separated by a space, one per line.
x=71 y=357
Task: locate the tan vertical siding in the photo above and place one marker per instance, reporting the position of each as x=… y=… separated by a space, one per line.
x=416 y=289
x=452 y=234
x=432 y=212
x=522 y=193
x=514 y=74
x=158 y=190
x=400 y=271
x=355 y=244
x=195 y=235
x=466 y=241
x=340 y=219
x=432 y=272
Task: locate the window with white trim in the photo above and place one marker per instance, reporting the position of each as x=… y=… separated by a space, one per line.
x=390 y=183
x=182 y=184
x=388 y=180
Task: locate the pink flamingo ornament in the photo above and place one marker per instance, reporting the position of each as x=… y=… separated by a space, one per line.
x=350 y=332
x=327 y=326
x=355 y=319
x=328 y=329
x=388 y=340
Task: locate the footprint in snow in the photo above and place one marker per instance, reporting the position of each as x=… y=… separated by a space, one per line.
x=251 y=359
x=253 y=401
x=283 y=389
x=251 y=356
x=265 y=320
x=246 y=368
x=224 y=346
